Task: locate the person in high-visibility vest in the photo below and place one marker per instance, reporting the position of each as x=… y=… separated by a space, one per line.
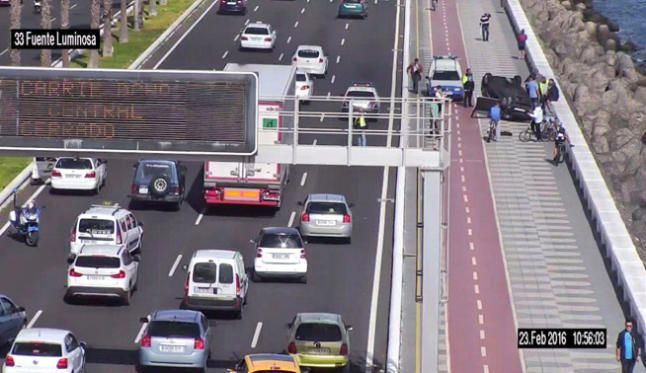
x=361 y=125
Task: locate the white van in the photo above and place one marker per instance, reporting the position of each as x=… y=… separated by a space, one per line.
x=107 y=224
x=216 y=280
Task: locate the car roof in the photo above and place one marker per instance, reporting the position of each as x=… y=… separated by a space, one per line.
x=279 y=230
x=258 y=24
x=103 y=210
x=269 y=361
x=46 y=335
x=321 y=317
x=214 y=254
x=59 y=158
x=308 y=46
x=445 y=63
x=325 y=197
x=163 y=161
x=102 y=250
x=175 y=315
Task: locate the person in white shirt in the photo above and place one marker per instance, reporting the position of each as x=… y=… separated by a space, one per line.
x=537 y=120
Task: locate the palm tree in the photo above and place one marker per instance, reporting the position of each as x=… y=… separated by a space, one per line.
x=107 y=28
x=95 y=10
x=65 y=24
x=16 y=15
x=123 y=27
x=46 y=23
x=152 y=4
x=137 y=16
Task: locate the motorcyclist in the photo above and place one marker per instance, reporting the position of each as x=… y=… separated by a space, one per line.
x=561 y=137
x=31 y=208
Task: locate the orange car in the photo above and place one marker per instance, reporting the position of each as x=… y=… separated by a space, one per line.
x=267 y=363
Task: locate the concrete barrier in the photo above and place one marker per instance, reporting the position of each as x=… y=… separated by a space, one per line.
x=628 y=270
x=16 y=183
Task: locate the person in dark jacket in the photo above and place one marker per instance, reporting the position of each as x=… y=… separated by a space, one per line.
x=552 y=95
x=469 y=86
x=629 y=347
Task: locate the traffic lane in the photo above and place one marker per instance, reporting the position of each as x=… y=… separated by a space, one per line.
x=79 y=18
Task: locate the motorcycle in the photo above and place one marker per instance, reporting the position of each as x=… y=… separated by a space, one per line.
x=36 y=6
x=25 y=222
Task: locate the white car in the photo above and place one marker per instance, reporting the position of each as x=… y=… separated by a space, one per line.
x=311 y=59
x=364 y=98
x=258 y=36
x=102 y=270
x=107 y=224
x=45 y=350
x=79 y=174
x=280 y=253
x=304 y=85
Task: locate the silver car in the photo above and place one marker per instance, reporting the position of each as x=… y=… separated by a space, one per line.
x=175 y=338
x=326 y=215
x=12 y=319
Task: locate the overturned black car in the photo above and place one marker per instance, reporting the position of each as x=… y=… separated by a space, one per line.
x=514 y=101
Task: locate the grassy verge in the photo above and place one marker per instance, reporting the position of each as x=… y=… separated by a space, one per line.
x=125 y=54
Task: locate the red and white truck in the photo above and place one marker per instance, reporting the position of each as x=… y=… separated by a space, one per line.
x=251 y=183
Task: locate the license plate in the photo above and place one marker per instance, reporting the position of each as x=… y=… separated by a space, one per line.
x=320 y=351
x=205 y=290
x=143 y=190
x=280 y=256
x=170 y=348
x=325 y=222
x=73 y=176
x=95 y=278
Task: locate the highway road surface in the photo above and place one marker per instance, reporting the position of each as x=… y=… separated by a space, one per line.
x=341 y=277
x=79 y=18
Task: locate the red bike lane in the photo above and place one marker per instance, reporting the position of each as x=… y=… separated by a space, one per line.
x=482 y=334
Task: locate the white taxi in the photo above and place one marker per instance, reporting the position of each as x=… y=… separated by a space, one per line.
x=45 y=350
x=102 y=270
x=79 y=174
x=311 y=59
x=258 y=35
x=304 y=86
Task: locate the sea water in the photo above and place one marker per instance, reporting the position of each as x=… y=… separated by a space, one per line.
x=629 y=16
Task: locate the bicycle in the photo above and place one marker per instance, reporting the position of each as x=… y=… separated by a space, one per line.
x=548 y=132
x=491 y=133
x=560 y=153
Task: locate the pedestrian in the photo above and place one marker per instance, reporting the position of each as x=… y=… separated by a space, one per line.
x=469 y=85
x=522 y=41
x=433 y=5
x=537 y=121
x=553 y=94
x=542 y=90
x=361 y=125
x=484 y=26
x=494 y=116
x=532 y=90
x=415 y=70
x=629 y=347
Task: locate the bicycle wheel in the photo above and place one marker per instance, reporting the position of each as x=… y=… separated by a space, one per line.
x=548 y=134
x=525 y=136
x=490 y=133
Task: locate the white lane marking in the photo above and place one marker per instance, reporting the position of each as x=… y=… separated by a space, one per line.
x=483 y=351
x=302 y=10
x=174 y=267
x=372 y=320
x=256 y=8
x=304 y=178
x=338 y=59
x=4 y=51
x=256 y=335
x=314 y=142
x=141 y=333
x=333 y=79
x=225 y=54
x=467 y=209
x=476 y=289
x=246 y=22
x=465 y=197
x=329 y=94
x=199 y=219
x=475 y=276
x=469 y=232
x=236 y=38
x=280 y=58
x=179 y=41
x=471 y=246
x=462 y=178
x=73 y=6
x=343 y=41
x=296 y=24
x=289 y=39
x=322 y=117
x=474 y=262
x=485 y=368
x=468 y=220
x=480 y=319
x=34 y=319
x=347 y=25
x=479 y=304
x=291 y=218
x=464 y=188
x=36 y=193
x=482 y=334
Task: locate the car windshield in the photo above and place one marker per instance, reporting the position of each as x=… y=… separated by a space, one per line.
x=308 y=53
x=327 y=208
x=446 y=75
x=91 y=261
x=283 y=241
x=149 y=170
x=96 y=226
x=257 y=31
x=204 y=273
x=360 y=94
x=318 y=332
x=74 y=164
x=36 y=349
x=175 y=329
x=352 y=1
x=301 y=78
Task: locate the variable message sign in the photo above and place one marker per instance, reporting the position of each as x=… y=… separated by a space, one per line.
x=128 y=111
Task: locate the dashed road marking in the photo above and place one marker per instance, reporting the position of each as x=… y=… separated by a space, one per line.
x=483 y=351
x=468 y=220
x=304 y=178
x=482 y=334
x=296 y=24
x=480 y=319
x=246 y=22
x=338 y=59
x=347 y=25
x=289 y=40
x=236 y=37
x=322 y=117
x=464 y=188
x=291 y=218
x=174 y=267
x=256 y=8
x=280 y=58
x=4 y=51
x=73 y=6
x=465 y=197
x=479 y=304
x=199 y=219
x=467 y=209
x=333 y=79
x=475 y=275
x=462 y=178
x=343 y=41
x=34 y=319
x=472 y=247
x=476 y=289
x=474 y=262
x=485 y=368
x=469 y=232
x=225 y=54
x=256 y=335
x=302 y=10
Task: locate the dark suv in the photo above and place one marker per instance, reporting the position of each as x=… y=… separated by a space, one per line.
x=159 y=181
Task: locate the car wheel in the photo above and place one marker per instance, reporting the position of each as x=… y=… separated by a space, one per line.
x=303 y=280
x=239 y=313
x=126 y=298
x=255 y=277
x=348 y=240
